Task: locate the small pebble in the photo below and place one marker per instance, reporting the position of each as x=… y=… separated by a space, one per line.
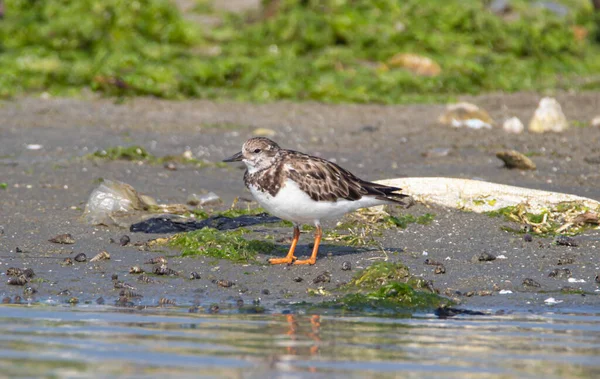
x=440 y=269
x=66 y=239
x=298 y=279
x=80 y=257
x=565 y=241
x=67 y=262
x=431 y=262
x=560 y=273
x=531 y=283
x=114 y=277
x=194 y=275
x=265 y=292
x=346 y=266
x=225 y=283
x=214 y=308
x=17 y=280
x=324 y=277
x=100 y=301
x=486 y=257
x=124 y=240
x=170 y=166
x=597 y=278
x=565 y=260
x=527 y=237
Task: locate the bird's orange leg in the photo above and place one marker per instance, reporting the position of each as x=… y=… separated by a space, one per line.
x=289 y=258
x=313 y=257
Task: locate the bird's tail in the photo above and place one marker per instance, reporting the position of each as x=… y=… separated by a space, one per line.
x=385 y=193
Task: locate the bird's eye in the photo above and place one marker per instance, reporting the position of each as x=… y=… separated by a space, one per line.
x=256 y=151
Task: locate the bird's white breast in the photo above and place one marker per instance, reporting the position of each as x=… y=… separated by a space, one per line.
x=293 y=204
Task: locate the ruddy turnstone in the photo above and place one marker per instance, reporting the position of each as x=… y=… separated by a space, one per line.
x=304 y=189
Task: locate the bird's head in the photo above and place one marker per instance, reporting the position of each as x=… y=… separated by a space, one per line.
x=257 y=153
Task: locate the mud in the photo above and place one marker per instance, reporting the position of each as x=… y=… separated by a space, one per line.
x=47 y=190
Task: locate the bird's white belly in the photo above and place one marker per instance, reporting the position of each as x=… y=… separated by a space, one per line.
x=293 y=204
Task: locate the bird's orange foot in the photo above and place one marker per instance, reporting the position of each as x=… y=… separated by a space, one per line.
x=310 y=261
x=279 y=261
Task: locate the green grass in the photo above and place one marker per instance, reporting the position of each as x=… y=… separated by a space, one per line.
x=325 y=50
x=3 y=185
x=229 y=245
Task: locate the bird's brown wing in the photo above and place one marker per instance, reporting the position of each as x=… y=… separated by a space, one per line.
x=326 y=181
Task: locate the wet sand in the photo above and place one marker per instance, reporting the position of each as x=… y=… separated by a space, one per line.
x=48 y=188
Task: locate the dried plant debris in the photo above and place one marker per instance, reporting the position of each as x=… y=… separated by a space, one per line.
x=568 y=217
x=552 y=212
x=66 y=239
x=103 y=255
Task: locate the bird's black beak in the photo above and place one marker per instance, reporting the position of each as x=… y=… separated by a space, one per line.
x=234 y=158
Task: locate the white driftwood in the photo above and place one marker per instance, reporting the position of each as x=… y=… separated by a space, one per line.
x=479 y=196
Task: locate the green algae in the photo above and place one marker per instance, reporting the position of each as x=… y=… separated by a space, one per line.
x=230 y=245
x=329 y=50
x=394 y=298
x=383 y=288
x=403 y=221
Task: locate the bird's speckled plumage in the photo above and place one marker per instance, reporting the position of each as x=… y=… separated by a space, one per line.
x=322 y=180
x=304 y=189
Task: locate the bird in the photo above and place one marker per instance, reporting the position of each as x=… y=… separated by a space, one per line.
x=305 y=189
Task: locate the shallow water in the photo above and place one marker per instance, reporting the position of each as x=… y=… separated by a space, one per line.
x=93 y=341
